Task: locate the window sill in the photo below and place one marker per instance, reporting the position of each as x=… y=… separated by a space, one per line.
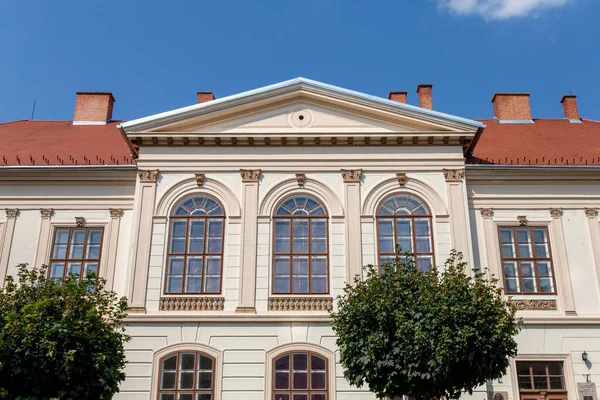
x=300 y=303
x=196 y=303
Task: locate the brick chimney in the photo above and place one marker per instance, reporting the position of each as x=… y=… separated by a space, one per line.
x=400 y=97
x=513 y=107
x=93 y=108
x=569 y=103
x=425 y=100
x=203 y=97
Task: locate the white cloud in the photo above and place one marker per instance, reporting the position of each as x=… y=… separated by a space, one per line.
x=500 y=9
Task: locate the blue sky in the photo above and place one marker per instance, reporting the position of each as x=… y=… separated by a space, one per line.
x=155 y=55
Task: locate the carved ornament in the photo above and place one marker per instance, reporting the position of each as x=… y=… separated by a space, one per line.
x=351 y=175
x=591 y=212
x=11 y=212
x=522 y=220
x=300 y=303
x=301 y=178
x=192 y=303
x=486 y=212
x=115 y=212
x=535 y=305
x=46 y=212
x=200 y=178
x=401 y=176
x=250 y=175
x=453 y=175
x=148 y=176
x=79 y=221
x=556 y=212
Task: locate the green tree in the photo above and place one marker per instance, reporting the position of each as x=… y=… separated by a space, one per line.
x=425 y=334
x=60 y=339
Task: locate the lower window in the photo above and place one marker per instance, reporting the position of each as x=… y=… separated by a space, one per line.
x=300 y=376
x=186 y=376
x=539 y=379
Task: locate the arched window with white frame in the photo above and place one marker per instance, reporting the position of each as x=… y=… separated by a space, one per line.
x=404 y=223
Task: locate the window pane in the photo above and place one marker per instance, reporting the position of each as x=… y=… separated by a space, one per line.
x=61 y=236
x=525 y=382
x=213 y=265
x=300 y=284
x=282 y=380
x=57 y=270
x=282 y=265
x=546 y=285
x=214 y=245
x=525 y=251
x=76 y=251
x=212 y=284
x=92 y=252
x=281 y=396
x=192 y=284
x=204 y=380
x=386 y=226
x=529 y=285
x=319 y=245
x=282 y=245
x=403 y=226
x=510 y=269
x=538 y=368
x=177 y=245
x=168 y=380
x=544 y=268
x=176 y=265
x=170 y=363
x=317 y=363
x=422 y=227
x=282 y=284
x=204 y=363
x=405 y=244
x=178 y=227
x=539 y=236
x=282 y=363
x=300 y=266
x=300 y=227
x=197 y=227
x=319 y=284
x=186 y=396
x=317 y=380
x=508 y=250
x=194 y=266
x=386 y=244
x=424 y=263
x=74 y=268
x=78 y=236
x=59 y=251
x=527 y=269
x=215 y=227
x=540 y=382
x=204 y=396
x=95 y=236
x=423 y=245
x=512 y=285
x=167 y=396
x=557 y=382
x=300 y=380
x=541 y=251
x=196 y=245
x=186 y=380
x=318 y=396
x=300 y=245
x=555 y=368
x=522 y=368
x=523 y=235
x=300 y=397
x=506 y=235
x=300 y=362
x=90 y=267
x=174 y=284
x=319 y=265
x=282 y=227
x=188 y=360
x=319 y=227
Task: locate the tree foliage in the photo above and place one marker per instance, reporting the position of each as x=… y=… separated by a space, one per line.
x=60 y=339
x=425 y=334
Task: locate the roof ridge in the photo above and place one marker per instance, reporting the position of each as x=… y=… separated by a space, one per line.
x=14 y=122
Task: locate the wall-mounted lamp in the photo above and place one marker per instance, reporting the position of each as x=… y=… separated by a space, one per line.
x=584 y=356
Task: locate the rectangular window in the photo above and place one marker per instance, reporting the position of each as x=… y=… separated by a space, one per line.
x=526 y=260
x=75 y=251
x=539 y=377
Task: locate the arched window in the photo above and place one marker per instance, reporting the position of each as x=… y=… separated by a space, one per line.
x=195 y=256
x=300 y=256
x=186 y=375
x=300 y=375
x=404 y=221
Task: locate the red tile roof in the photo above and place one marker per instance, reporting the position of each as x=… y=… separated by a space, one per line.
x=545 y=142
x=62 y=143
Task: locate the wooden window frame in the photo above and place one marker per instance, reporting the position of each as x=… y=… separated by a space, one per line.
x=185 y=254
x=194 y=391
x=412 y=217
x=309 y=254
x=536 y=392
x=534 y=260
x=291 y=391
x=83 y=260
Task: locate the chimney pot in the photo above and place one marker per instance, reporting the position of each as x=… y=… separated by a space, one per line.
x=400 y=97
x=425 y=98
x=569 y=103
x=93 y=108
x=512 y=107
x=203 y=97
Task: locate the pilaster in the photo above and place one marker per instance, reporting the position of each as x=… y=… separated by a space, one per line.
x=43 y=237
x=561 y=263
x=6 y=241
x=491 y=244
x=142 y=235
x=247 y=282
x=112 y=240
x=352 y=234
x=594 y=228
x=457 y=202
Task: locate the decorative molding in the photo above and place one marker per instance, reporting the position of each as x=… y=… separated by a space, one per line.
x=591 y=212
x=250 y=175
x=401 y=176
x=46 y=212
x=522 y=220
x=453 y=175
x=148 y=176
x=556 y=212
x=301 y=178
x=201 y=303
x=300 y=303
x=80 y=222
x=486 y=212
x=533 y=304
x=115 y=212
x=11 y=212
x=200 y=179
x=351 y=175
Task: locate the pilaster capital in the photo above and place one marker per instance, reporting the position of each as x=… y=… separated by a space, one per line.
x=591 y=212
x=555 y=212
x=46 y=212
x=453 y=175
x=148 y=176
x=486 y=212
x=115 y=212
x=351 y=175
x=11 y=212
x=250 y=175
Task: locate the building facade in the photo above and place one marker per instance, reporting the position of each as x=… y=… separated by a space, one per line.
x=231 y=226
